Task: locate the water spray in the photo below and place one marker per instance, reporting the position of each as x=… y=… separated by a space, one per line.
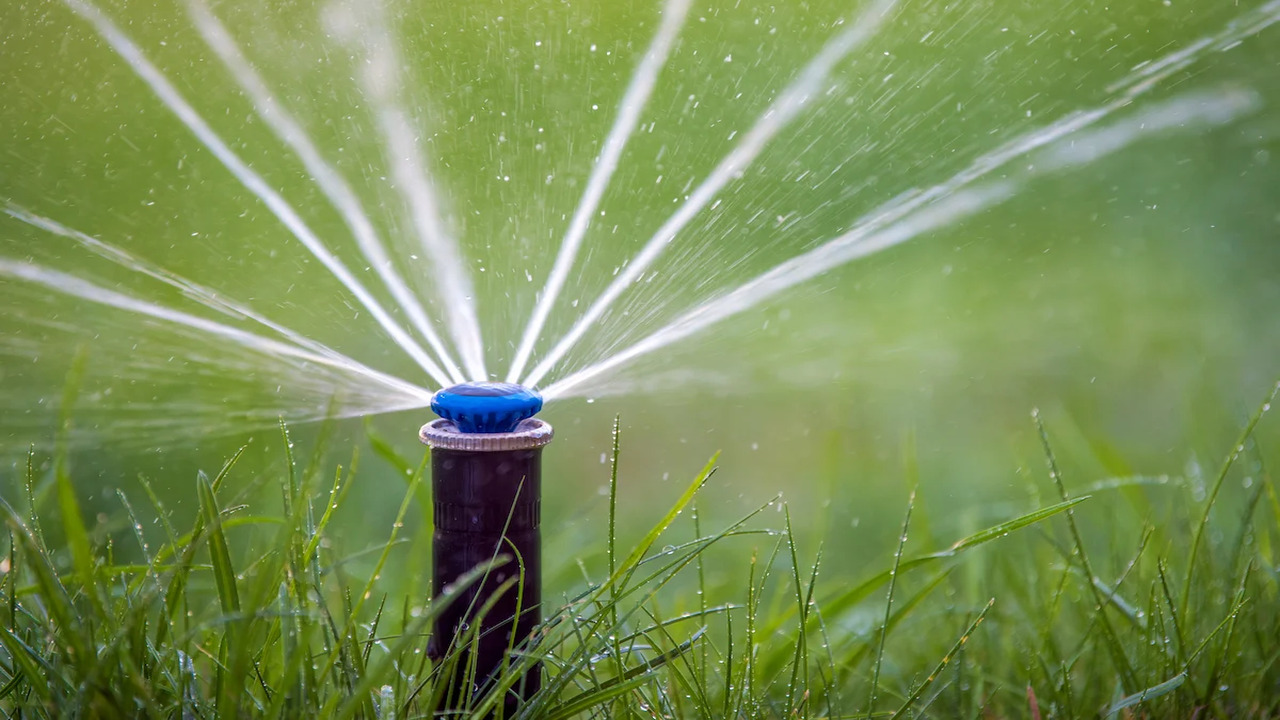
x=486 y=479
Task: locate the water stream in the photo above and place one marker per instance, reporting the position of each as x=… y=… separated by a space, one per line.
x=252 y=349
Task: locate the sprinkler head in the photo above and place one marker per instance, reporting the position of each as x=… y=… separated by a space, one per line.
x=486 y=407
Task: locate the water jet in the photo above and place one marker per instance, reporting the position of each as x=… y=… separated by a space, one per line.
x=486 y=479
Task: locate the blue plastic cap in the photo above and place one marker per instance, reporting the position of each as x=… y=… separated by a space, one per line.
x=486 y=407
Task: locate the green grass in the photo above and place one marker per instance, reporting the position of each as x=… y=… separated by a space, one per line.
x=1048 y=614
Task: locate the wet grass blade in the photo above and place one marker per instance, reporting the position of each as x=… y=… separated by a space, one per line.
x=337 y=494
x=30 y=665
x=800 y=661
x=1151 y=693
x=186 y=552
x=942 y=664
x=224 y=576
x=33 y=516
x=353 y=616
x=584 y=702
x=904 y=610
x=623 y=573
x=861 y=591
x=613 y=533
x=1219 y=479
x=377 y=674
x=73 y=527
x=52 y=592
x=1115 y=648
x=888 y=605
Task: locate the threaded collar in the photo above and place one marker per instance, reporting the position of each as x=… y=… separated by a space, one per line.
x=445 y=435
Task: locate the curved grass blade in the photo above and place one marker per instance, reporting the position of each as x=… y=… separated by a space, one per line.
x=1150 y=693
x=860 y=592
x=376 y=674
x=584 y=702
x=1213 y=493
x=629 y=680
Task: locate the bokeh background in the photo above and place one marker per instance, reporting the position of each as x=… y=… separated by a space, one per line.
x=1132 y=299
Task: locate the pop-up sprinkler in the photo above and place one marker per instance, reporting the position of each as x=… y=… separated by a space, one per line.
x=486 y=479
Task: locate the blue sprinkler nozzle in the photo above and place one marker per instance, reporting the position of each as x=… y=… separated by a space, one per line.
x=486 y=407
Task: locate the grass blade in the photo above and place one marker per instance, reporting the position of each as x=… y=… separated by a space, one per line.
x=888 y=604
x=1150 y=693
x=860 y=592
x=946 y=659
x=224 y=576
x=1219 y=479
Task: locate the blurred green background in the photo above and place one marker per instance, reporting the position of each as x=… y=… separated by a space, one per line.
x=1133 y=299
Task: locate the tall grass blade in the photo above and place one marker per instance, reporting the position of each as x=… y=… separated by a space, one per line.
x=53 y=594
x=628 y=567
x=378 y=673
x=1219 y=479
x=946 y=659
x=224 y=576
x=1118 y=657
x=33 y=517
x=888 y=605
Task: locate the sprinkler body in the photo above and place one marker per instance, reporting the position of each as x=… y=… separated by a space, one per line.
x=486 y=477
